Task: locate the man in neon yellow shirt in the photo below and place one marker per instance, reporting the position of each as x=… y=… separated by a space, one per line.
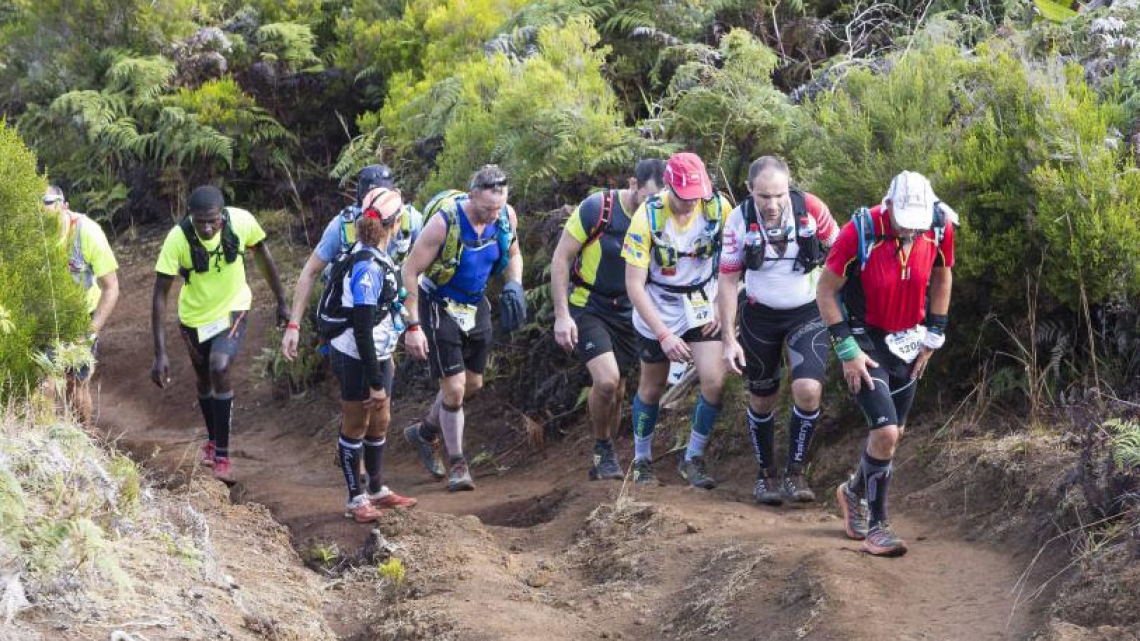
x=93 y=267
x=207 y=249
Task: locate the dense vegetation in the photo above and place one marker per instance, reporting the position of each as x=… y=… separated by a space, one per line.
x=1021 y=111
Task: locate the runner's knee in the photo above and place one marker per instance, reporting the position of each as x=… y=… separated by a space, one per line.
x=881 y=442
x=762 y=405
x=807 y=392
x=453 y=389
x=219 y=369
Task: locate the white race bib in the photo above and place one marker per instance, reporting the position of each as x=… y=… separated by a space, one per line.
x=907 y=343
x=464 y=315
x=698 y=309
x=208 y=331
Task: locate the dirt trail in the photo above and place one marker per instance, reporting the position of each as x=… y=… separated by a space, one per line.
x=542 y=558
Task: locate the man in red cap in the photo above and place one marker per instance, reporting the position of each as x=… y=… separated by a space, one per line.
x=672 y=251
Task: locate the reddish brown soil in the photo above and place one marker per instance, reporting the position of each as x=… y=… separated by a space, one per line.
x=542 y=560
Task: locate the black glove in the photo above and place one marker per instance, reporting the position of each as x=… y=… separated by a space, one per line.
x=512 y=307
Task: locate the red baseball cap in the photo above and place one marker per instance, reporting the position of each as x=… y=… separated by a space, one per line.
x=685 y=174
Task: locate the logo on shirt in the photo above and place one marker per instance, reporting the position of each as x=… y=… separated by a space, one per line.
x=366 y=283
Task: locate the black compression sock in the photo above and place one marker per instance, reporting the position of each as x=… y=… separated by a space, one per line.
x=348 y=454
x=374 y=462
x=206 y=403
x=223 y=413
x=762 y=429
x=876 y=475
x=800 y=429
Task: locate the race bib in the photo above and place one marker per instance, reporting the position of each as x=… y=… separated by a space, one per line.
x=464 y=315
x=206 y=332
x=907 y=343
x=698 y=310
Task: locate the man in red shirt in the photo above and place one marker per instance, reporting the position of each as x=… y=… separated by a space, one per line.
x=883 y=263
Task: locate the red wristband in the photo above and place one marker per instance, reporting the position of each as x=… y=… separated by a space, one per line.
x=414 y=327
x=663 y=335
x=292 y=325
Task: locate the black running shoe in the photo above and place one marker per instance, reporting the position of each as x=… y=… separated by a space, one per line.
x=605 y=464
x=796 y=488
x=766 y=491
x=643 y=472
x=427 y=450
x=696 y=474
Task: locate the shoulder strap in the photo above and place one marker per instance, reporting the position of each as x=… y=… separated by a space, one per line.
x=603 y=222
x=864 y=233
x=199 y=258
x=748 y=212
x=506 y=237
x=230 y=241
x=799 y=202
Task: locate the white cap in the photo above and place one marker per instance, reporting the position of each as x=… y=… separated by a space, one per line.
x=913 y=200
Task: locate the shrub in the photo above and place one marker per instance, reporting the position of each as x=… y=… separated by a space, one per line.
x=40 y=301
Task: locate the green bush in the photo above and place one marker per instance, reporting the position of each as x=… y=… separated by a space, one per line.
x=39 y=300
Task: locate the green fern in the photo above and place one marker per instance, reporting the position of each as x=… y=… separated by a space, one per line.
x=1125 y=441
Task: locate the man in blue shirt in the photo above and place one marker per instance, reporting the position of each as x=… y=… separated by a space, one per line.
x=338 y=238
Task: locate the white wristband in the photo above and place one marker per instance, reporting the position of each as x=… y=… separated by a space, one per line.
x=932 y=340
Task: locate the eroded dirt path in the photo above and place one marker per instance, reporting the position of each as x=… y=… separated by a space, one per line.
x=541 y=552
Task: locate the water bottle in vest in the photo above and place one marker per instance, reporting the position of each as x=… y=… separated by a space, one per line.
x=754 y=247
x=810 y=250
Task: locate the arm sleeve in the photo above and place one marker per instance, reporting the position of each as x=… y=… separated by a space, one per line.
x=635 y=248
x=843 y=251
x=826 y=229
x=732 y=250
x=366 y=282
x=173 y=249
x=97 y=250
x=329 y=244
x=945 y=257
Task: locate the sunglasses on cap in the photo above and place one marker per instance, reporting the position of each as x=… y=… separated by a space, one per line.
x=51 y=200
x=495 y=184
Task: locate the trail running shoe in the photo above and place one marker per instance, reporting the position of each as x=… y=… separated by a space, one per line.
x=428 y=450
x=386 y=499
x=223 y=470
x=206 y=455
x=605 y=464
x=882 y=541
x=643 y=472
x=695 y=473
x=361 y=510
x=459 y=479
x=766 y=491
x=854 y=512
x=796 y=488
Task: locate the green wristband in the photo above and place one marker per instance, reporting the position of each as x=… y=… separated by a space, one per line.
x=847 y=349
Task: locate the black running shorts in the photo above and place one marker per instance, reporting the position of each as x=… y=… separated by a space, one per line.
x=651 y=351
x=350 y=372
x=450 y=349
x=600 y=333
x=890 y=402
x=764 y=333
x=228 y=342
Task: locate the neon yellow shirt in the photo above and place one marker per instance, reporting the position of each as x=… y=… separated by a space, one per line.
x=213 y=294
x=94 y=259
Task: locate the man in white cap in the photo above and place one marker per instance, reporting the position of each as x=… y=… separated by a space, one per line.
x=884 y=262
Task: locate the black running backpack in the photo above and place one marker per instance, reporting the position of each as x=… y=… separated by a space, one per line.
x=333 y=317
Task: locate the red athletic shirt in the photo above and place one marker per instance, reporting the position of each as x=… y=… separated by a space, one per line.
x=893 y=289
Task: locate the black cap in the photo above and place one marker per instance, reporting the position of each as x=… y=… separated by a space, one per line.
x=205 y=198
x=370 y=178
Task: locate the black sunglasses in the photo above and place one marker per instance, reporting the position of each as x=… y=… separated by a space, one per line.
x=51 y=200
x=492 y=185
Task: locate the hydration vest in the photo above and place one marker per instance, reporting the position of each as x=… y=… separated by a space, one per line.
x=402 y=240
x=81 y=270
x=333 y=317
x=449 y=204
x=810 y=254
x=867 y=235
x=199 y=255
x=600 y=227
x=665 y=255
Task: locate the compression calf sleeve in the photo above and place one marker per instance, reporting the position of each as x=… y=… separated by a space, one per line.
x=348 y=455
x=451 y=424
x=762 y=429
x=876 y=476
x=223 y=414
x=374 y=462
x=704 y=417
x=644 y=422
x=800 y=430
x=206 y=404
x=429 y=429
